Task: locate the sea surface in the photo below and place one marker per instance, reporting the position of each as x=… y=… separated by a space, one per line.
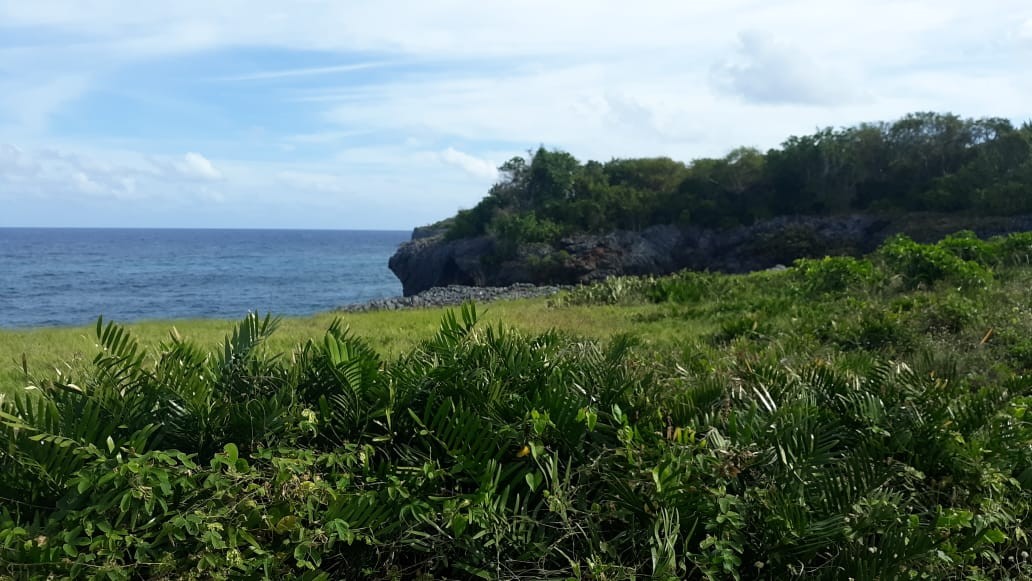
x=57 y=276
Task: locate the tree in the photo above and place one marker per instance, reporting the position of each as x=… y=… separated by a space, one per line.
x=552 y=176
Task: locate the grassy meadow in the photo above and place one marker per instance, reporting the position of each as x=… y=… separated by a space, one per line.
x=840 y=419
x=44 y=351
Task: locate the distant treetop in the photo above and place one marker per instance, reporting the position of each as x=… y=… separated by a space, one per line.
x=922 y=162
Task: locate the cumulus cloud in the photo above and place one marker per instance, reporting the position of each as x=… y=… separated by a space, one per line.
x=191 y=167
x=767 y=71
x=474 y=166
x=196 y=166
x=54 y=172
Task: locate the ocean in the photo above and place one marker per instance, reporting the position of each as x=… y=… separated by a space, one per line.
x=58 y=276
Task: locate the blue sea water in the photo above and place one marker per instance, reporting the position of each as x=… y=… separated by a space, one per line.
x=53 y=277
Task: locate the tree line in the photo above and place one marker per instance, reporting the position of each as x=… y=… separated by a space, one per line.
x=923 y=162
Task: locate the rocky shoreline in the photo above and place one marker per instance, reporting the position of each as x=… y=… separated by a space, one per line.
x=452 y=295
x=429 y=260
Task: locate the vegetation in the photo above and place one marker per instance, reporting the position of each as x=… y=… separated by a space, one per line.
x=844 y=418
x=923 y=162
x=29 y=356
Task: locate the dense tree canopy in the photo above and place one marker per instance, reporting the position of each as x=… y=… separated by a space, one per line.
x=922 y=162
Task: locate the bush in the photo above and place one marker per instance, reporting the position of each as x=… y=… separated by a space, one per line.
x=1014 y=249
x=949 y=314
x=1010 y=250
x=923 y=264
x=967 y=246
x=551 y=268
x=510 y=230
x=833 y=274
x=614 y=290
x=867 y=327
x=685 y=287
x=750 y=326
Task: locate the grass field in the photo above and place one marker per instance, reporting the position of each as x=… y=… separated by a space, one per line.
x=760 y=299
x=42 y=351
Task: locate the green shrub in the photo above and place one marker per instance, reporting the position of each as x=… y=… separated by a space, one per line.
x=967 y=246
x=550 y=268
x=614 y=290
x=1014 y=249
x=949 y=314
x=869 y=328
x=833 y=274
x=749 y=325
x=685 y=287
x=1016 y=345
x=923 y=265
x=510 y=230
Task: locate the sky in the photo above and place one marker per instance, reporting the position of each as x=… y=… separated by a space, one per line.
x=393 y=114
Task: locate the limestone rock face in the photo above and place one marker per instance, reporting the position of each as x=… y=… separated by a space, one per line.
x=429 y=261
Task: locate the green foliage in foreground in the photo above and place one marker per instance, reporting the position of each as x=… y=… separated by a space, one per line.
x=843 y=418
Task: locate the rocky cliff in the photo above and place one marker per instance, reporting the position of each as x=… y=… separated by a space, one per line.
x=429 y=261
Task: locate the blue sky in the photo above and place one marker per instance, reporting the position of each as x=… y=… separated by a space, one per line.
x=387 y=115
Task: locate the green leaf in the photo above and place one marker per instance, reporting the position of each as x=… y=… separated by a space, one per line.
x=287 y=523
x=537 y=449
x=458 y=524
x=533 y=480
x=994 y=536
x=954 y=519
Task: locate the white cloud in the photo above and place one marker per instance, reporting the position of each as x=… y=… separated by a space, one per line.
x=57 y=173
x=196 y=166
x=449 y=28
x=768 y=71
x=408 y=26
x=52 y=173
x=85 y=183
x=601 y=78
x=302 y=72
x=474 y=166
x=569 y=106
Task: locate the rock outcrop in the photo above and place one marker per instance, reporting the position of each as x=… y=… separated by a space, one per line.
x=430 y=261
x=447 y=296
x=425 y=263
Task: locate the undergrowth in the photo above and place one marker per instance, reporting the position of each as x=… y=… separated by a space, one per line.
x=844 y=418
